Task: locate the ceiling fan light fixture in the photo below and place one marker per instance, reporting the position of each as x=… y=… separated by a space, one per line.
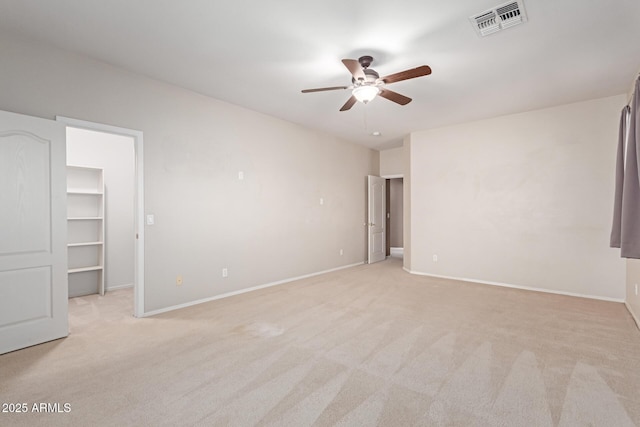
x=366 y=83
x=365 y=94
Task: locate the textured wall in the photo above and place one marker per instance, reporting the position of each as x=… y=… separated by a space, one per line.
x=524 y=199
x=268 y=227
x=392 y=162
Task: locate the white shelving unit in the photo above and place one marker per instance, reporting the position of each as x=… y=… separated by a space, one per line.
x=85 y=225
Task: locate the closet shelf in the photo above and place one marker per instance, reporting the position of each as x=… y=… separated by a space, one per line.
x=81 y=269
x=85 y=192
x=84 y=218
x=85 y=230
x=72 y=245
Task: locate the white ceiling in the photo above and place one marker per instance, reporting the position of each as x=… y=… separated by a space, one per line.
x=260 y=54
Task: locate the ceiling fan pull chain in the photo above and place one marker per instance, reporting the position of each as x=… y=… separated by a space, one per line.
x=366 y=118
x=366 y=125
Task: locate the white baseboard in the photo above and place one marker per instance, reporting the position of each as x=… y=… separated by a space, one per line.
x=635 y=318
x=508 y=285
x=244 y=291
x=399 y=252
x=115 y=288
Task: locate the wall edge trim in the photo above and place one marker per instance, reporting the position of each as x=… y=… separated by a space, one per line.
x=633 y=315
x=509 y=285
x=118 y=287
x=246 y=290
x=397 y=251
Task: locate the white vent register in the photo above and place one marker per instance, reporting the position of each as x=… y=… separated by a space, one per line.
x=499 y=18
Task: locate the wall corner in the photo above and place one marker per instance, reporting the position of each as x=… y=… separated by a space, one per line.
x=406 y=205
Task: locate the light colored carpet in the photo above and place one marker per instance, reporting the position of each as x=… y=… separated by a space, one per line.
x=367 y=346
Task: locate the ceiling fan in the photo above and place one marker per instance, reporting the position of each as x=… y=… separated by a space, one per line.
x=366 y=83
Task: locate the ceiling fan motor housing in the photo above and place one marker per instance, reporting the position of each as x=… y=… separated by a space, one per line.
x=371 y=76
x=365 y=61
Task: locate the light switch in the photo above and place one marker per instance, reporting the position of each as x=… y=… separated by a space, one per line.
x=240 y=175
x=151 y=219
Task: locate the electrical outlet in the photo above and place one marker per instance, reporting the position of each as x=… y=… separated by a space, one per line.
x=435 y=258
x=179 y=281
x=342 y=253
x=225 y=272
x=321 y=201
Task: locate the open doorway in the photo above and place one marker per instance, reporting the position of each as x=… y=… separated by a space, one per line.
x=394 y=218
x=114 y=155
x=105 y=159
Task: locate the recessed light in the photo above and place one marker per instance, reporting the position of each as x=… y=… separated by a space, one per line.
x=376 y=133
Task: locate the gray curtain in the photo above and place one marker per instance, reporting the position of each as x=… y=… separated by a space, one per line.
x=617 y=206
x=626 y=226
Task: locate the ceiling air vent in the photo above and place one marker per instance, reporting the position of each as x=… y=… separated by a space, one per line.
x=499 y=18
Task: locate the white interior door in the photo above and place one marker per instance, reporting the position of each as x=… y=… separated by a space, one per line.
x=33 y=227
x=376 y=197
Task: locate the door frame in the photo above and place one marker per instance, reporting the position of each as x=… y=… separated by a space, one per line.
x=389 y=177
x=138 y=144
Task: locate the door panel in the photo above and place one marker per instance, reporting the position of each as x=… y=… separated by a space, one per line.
x=377 y=220
x=24 y=162
x=33 y=259
x=29 y=292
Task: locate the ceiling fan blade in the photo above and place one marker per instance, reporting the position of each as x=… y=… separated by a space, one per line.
x=423 y=70
x=354 y=68
x=394 y=96
x=322 y=89
x=350 y=102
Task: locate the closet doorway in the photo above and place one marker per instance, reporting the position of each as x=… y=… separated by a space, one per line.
x=394 y=225
x=115 y=155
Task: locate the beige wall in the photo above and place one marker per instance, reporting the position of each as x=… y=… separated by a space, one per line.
x=268 y=227
x=633 y=280
x=392 y=162
x=524 y=200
